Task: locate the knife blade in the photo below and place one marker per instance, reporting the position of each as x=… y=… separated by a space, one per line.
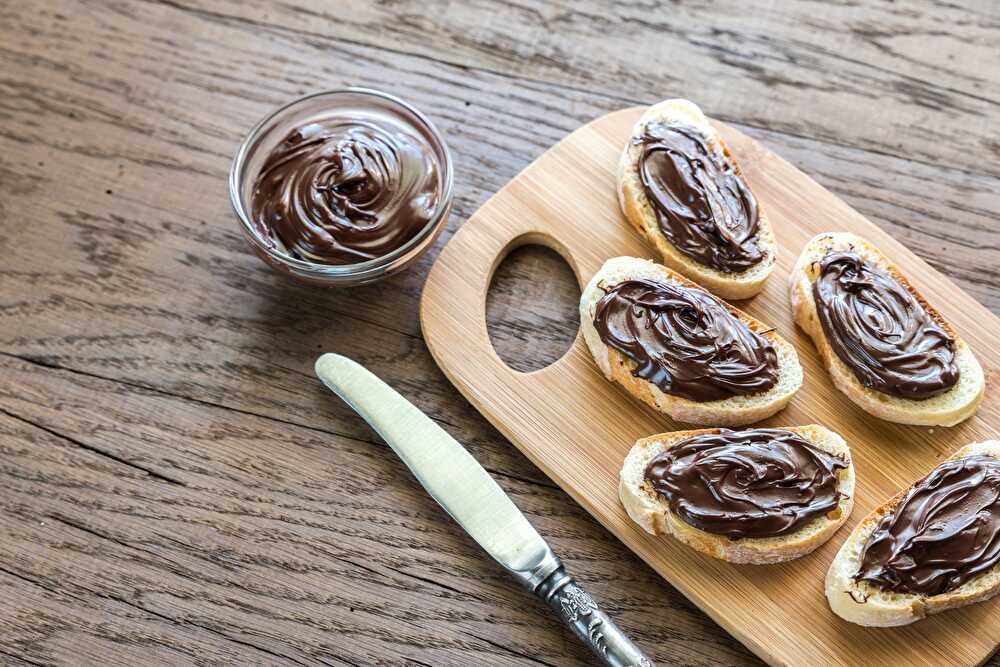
x=477 y=503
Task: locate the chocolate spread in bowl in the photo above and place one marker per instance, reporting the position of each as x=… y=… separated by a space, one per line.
x=754 y=483
x=345 y=189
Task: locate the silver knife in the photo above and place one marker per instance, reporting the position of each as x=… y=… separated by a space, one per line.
x=460 y=485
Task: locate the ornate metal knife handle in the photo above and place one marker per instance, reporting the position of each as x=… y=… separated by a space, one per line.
x=579 y=611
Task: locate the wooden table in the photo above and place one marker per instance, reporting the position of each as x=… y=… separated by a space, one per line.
x=177 y=487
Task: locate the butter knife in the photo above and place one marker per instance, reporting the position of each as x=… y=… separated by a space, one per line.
x=466 y=491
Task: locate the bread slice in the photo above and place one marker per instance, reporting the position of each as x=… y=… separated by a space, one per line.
x=945 y=409
x=640 y=213
x=652 y=512
x=732 y=411
x=866 y=604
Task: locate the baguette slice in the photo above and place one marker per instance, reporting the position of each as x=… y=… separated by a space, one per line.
x=652 y=512
x=640 y=213
x=732 y=411
x=945 y=409
x=866 y=604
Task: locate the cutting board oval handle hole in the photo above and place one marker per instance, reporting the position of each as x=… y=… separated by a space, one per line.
x=532 y=307
x=544 y=240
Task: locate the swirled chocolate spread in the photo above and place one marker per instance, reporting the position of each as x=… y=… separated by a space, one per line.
x=685 y=341
x=343 y=190
x=754 y=483
x=944 y=532
x=701 y=201
x=883 y=334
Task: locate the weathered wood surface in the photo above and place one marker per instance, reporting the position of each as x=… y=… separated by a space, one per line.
x=177 y=486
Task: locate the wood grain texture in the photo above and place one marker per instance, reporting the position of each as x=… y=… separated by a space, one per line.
x=834 y=68
x=142 y=342
x=578 y=427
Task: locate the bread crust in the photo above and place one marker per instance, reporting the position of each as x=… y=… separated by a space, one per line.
x=946 y=409
x=733 y=411
x=653 y=514
x=639 y=211
x=865 y=604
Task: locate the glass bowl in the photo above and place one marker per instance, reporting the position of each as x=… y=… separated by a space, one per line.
x=273 y=129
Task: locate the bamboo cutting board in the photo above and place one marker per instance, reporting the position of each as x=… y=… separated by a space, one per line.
x=577 y=427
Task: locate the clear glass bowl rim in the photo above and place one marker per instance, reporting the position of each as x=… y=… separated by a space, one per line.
x=360 y=269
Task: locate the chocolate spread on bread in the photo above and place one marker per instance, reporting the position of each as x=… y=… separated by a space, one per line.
x=685 y=341
x=344 y=190
x=701 y=201
x=944 y=532
x=880 y=331
x=753 y=483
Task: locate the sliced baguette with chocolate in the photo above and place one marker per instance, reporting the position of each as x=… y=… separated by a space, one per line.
x=683 y=351
x=933 y=547
x=884 y=346
x=756 y=496
x=680 y=187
